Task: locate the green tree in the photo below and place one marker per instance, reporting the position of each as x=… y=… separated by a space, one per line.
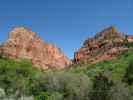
x=101 y=88
x=128 y=77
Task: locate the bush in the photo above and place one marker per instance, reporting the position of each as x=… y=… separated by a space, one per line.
x=70 y=86
x=15 y=76
x=128 y=78
x=120 y=92
x=101 y=88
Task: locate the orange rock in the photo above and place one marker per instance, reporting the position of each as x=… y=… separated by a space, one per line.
x=106 y=45
x=25 y=44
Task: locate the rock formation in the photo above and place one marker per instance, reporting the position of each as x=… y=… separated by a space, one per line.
x=25 y=44
x=106 y=45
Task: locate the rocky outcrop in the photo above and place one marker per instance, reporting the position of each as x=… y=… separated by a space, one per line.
x=105 y=45
x=25 y=44
x=130 y=39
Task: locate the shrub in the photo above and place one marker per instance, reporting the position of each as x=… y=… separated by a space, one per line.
x=70 y=86
x=128 y=78
x=15 y=76
x=101 y=88
x=120 y=92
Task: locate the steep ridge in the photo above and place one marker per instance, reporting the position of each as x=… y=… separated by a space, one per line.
x=105 y=45
x=25 y=44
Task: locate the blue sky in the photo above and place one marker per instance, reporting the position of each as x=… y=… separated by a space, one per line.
x=66 y=23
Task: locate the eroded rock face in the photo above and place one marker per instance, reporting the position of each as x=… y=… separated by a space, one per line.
x=25 y=44
x=106 y=45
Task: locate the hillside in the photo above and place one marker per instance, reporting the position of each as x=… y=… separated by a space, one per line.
x=102 y=68
x=19 y=80
x=104 y=46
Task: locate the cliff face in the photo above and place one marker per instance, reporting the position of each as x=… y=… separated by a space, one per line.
x=106 y=45
x=25 y=44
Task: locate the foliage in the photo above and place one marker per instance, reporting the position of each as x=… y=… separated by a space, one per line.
x=19 y=80
x=101 y=88
x=62 y=85
x=120 y=92
x=2 y=93
x=15 y=76
x=128 y=78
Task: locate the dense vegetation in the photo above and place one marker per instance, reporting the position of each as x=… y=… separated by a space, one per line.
x=109 y=80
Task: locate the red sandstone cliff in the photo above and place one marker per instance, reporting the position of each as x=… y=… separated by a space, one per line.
x=25 y=44
x=105 y=45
